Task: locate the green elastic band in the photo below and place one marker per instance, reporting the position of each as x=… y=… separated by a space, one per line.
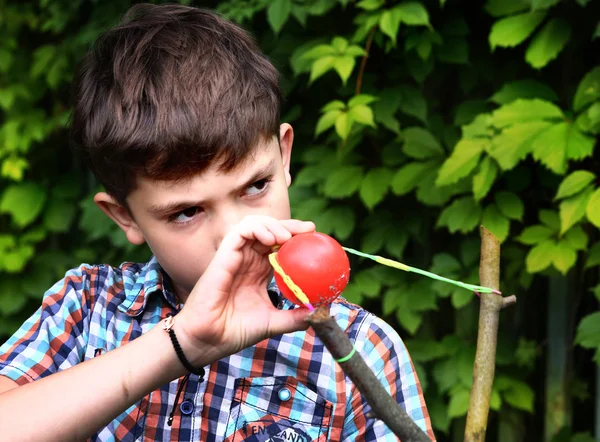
x=346 y=358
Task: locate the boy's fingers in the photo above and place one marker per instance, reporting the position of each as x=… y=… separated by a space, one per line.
x=295 y=226
x=288 y=321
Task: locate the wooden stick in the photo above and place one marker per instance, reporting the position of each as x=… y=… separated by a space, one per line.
x=485 y=357
x=383 y=405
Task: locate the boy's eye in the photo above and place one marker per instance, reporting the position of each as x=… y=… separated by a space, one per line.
x=258 y=187
x=185 y=215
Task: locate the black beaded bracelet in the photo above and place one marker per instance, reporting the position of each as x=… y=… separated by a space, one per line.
x=168 y=326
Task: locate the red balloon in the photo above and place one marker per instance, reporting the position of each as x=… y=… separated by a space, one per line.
x=317 y=264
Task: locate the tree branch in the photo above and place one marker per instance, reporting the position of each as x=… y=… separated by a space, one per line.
x=485 y=358
x=383 y=405
x=363 y=62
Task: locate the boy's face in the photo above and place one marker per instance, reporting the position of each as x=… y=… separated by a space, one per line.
x=184 y=222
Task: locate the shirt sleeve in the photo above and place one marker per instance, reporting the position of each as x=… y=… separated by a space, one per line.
x=385 y=353
x=54 y=338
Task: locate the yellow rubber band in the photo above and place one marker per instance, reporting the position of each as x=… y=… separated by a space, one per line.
x=297 y=291
x=347 y=358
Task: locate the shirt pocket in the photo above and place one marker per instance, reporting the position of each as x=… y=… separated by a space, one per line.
x=274 y=409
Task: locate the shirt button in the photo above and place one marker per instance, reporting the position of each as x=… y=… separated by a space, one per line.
x=187 y=407
x=285 y=394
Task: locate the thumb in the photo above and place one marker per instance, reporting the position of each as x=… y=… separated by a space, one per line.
x=288 y=321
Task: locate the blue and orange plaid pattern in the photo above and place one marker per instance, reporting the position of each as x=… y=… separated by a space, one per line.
x=284 y=388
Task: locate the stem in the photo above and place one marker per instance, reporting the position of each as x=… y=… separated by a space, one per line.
x=363 y=62
x=485 y=357
x=384 y=406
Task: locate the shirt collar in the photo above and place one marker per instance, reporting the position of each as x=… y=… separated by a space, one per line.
x=140 y=284
x=151 y=278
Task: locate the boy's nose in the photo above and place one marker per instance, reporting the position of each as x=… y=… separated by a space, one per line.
x=225 y=220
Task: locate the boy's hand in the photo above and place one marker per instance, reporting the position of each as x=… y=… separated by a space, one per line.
x=229 y=308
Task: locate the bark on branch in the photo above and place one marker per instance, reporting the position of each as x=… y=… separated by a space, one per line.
x=485 y=357
x=383 y=405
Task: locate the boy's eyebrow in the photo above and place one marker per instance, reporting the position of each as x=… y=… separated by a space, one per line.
x=177 y=206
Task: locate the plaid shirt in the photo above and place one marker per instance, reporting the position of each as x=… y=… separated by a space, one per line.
x=284 y=388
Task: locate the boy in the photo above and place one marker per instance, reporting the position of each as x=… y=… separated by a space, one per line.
x=177 y=113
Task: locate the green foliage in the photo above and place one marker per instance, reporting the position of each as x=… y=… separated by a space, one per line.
x=415 y=123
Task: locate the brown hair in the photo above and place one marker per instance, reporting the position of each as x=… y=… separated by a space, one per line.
x=168 y=92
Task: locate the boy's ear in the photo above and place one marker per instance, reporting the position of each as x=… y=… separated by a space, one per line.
x=286 y=140
x=120 y=215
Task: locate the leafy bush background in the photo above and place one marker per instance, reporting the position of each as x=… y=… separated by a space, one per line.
x=415 y=122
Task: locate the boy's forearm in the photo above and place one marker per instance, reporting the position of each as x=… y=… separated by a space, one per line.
x=74 y=404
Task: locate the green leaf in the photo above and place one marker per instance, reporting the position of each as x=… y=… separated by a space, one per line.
x=319 y=51
x=15 y=260
x=540 y=257
x=333 y=105
x=578 y=146
x=343 y=181
x=367 y=283
x=572 y=209
x=588 y=90
x=10 y=301
x=344 y=221
x=413 y=14
x=588 y=331
x=461 y=216
x=495 y=222
x=543 y=4
x=375 y=186
x=576 y=238
x=495 y=401
x=510 y=205
x=480 y=127
x=593 y=256
x=520 y=396
x=461 y=162
x=499 y=8
x=461 y=297
x=564 y=257
x=362 y=99
x=340 y=44
x=574 y=183
x=548 y=43
x=59 y=215
x=42 y=57
x=343 y=125
x=535 y=234
x=592 y=210
x=327 y=121
x=23 y=201
x=484 y=178
x=459 y=403
x=412 y=102
x=362 y=114
x=419 y=143
x=425 y=350
x=14 y=168
x=300 y=13
x=278 y=13
x=321 y=66
x=385 y=108
x=511 y=31
x=520 y=111
x=526 y=89
x=550 y=219
x=389 y=23
x=344 y=65
x=370 y=5
x=409 y=176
